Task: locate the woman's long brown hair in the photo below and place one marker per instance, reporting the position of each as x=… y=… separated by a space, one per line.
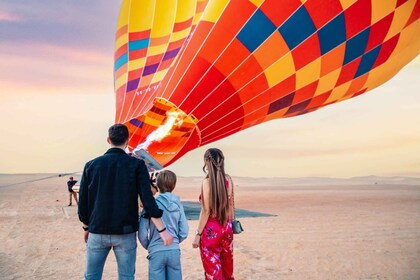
x=219 y=203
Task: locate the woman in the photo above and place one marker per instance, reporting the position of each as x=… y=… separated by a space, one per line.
x=214 y=234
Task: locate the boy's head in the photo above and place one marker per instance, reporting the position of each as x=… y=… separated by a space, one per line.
x=118 y=134
x=166 y=181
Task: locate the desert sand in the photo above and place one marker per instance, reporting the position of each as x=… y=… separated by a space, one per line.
x=361 y=228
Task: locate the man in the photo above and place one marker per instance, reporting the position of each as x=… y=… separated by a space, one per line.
x=108 y=206
x=72 y=193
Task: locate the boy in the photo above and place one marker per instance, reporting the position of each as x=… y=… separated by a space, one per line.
x=164 y=261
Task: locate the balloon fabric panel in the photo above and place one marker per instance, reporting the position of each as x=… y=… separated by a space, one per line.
x=188 y=73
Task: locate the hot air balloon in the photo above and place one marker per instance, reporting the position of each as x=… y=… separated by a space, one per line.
x=190 y=72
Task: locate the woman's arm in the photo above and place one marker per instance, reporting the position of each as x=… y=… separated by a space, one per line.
x=205 y=212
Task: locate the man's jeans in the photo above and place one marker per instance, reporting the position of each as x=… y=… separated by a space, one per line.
x=98 y=247
x=165 y=265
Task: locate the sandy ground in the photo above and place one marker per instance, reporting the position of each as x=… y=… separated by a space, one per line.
x=318 y=231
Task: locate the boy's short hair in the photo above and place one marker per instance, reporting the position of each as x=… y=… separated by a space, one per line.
x=118 y=134
x=166 y=181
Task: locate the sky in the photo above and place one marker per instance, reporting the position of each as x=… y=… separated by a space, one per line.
x=57 y=102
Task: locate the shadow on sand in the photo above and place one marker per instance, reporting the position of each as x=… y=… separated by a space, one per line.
x=192 y=211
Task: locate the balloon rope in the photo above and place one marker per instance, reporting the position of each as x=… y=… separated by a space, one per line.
x=40 y=179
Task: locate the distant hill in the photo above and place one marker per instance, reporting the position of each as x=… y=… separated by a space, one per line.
x=318 y=181
x=17 y=179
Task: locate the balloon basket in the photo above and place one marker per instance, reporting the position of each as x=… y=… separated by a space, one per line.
x=151 y=163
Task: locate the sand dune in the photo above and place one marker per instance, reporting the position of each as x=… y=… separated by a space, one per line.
x=359 y=228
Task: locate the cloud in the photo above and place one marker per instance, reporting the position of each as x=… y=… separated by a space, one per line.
x=45 y=67
x=9 y=17
x=66 y=23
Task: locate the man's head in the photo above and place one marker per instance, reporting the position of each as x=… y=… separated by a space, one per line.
x=166 y=181
x=118 y=135
x=71 y=178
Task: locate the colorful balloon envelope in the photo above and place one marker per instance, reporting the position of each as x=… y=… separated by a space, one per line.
x=190 y=72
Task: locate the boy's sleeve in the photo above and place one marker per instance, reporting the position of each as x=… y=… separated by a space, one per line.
x=144 y=227
x=183 y=225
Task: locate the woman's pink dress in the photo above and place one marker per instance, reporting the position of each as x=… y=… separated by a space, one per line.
x=216 y=249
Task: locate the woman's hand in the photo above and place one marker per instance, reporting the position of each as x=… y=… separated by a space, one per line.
x=196 y=242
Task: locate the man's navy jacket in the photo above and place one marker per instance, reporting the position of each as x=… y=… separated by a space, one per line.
x=108 y=195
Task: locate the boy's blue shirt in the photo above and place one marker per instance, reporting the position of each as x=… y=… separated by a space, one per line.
x=175 y=222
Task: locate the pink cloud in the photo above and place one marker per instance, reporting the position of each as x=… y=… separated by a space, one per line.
x=5 y=16
x=74 y=54
x=48 y=51
x=49 y=68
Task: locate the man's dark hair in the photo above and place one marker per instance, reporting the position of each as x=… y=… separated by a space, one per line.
x=118 y=134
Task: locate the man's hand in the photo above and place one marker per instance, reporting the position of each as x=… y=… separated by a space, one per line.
x=86 y=236
x=166 y=237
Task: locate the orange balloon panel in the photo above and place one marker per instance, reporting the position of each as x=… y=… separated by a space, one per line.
x=188 y=73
